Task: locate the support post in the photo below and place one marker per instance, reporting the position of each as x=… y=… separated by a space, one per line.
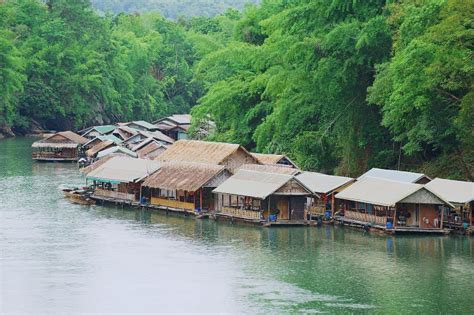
x=442 y=217
x=268 y=215
x=200 y=198
x=395 y=216
x=332 y=204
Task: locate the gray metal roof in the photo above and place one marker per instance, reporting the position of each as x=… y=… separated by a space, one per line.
x=144 y=124
x=402 y=176
x=453 y=190
x=116 y=149
x=322 y=183
x=253 y=184
x=382 y=192
x=124 y=170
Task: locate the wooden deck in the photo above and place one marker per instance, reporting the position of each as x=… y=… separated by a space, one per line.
x=264 y=223
x=396 y=230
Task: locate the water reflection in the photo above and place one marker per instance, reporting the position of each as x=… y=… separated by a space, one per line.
x=57 y=257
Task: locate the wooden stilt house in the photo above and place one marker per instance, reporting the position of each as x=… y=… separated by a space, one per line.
x=393 y=205
x=401 y=176
x=325 y=187
x=260 y=197
x=119 y=178
x=184 y=186
x=231 y=156
x=461 y=195
x=61 y=146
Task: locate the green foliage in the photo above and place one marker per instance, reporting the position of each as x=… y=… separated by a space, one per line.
x=296 y=78
x=63 y=66
x=173 y=9
x=340 y=86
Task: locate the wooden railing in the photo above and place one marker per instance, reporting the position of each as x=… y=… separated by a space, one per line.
x=53 y=155
x=365 y=217
x=241 y=213
x=320 y=210
x=113 y=194
x=172 y=203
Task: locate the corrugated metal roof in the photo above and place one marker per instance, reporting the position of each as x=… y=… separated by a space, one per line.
x=402 y=176
x=180 y=119
x=124 y=169
x=253 y=184
x=143 y=124
x=158 y=135
x=453 y=190
x=116 y=149
x=322 y=183
x=382 y=192
x=99 y=147
x=150 y=150
x=100 y=129
x=105 y=138
x=98 y=163
x=271 y=169
x=183 y=176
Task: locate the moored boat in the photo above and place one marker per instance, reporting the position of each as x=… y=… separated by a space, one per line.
x=78 y=196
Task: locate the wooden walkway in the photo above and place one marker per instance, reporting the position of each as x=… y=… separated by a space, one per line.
x=396 y=230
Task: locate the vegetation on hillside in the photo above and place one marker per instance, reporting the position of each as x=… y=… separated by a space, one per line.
x=338 y=86
x=171 y=9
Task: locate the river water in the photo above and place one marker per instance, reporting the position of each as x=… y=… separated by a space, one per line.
x=57 y=257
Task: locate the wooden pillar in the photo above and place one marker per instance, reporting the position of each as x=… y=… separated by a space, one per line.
x=200 y=198
x=442 y=217
x=268 y=215
x=395 y=216
x=332 y=204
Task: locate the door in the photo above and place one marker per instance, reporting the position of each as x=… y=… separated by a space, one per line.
x=282 y=205
x=412 y=215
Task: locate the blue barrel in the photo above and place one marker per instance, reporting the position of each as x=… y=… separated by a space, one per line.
x=327 y=214
x=389 y=225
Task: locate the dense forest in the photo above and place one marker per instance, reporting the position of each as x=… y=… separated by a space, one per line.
x=171 y=9
x=339 y=86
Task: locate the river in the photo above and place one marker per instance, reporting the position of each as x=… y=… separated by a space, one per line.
x=57 y=257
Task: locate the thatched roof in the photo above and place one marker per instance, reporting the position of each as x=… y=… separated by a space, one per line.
x=99 y=147
x=73 y=137
x=273 y=159
x=183 y=176
x=199 y=151
x=271 y=169
x=67 y=139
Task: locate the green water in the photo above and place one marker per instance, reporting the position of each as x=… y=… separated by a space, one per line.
x=57 y=257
